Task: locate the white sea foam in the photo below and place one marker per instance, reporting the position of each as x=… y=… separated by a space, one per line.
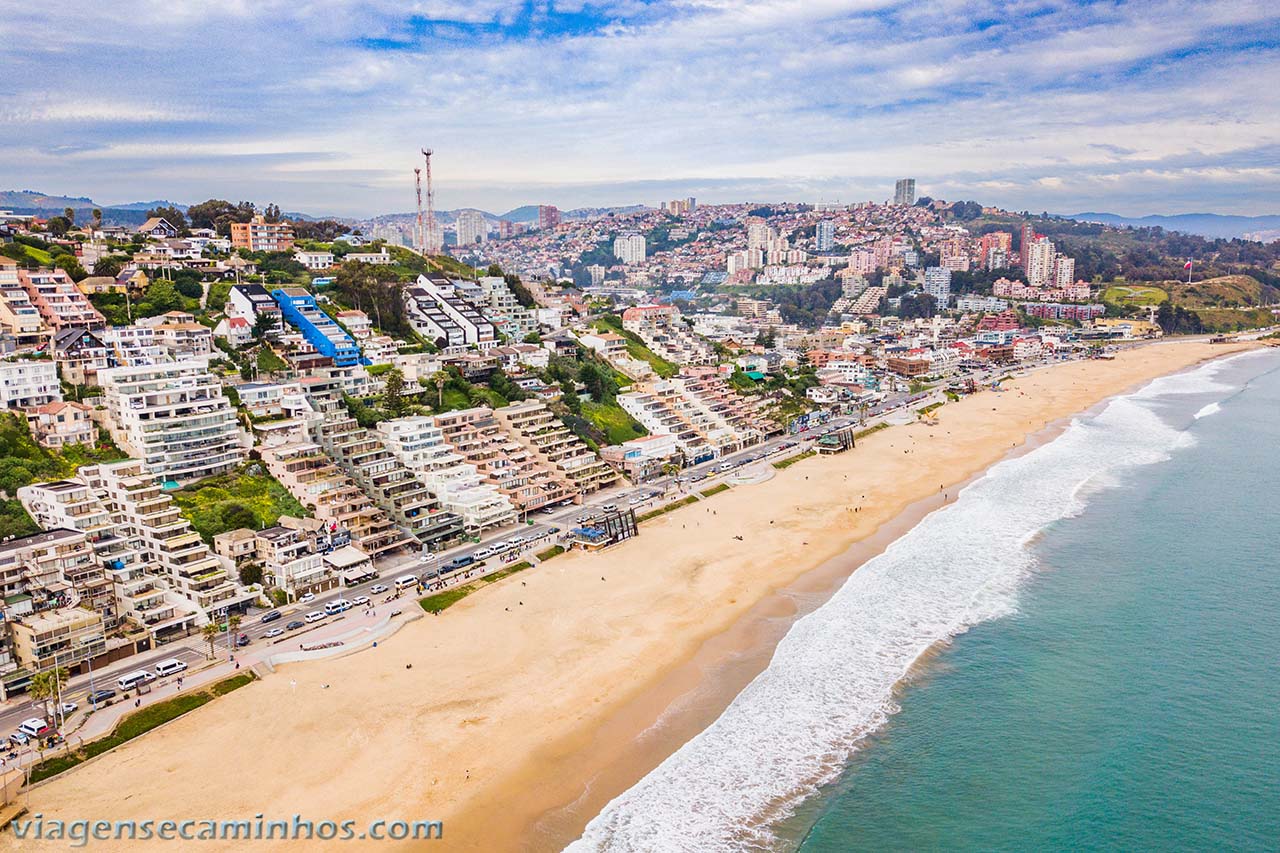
x=1211 y=409
x=831 y=679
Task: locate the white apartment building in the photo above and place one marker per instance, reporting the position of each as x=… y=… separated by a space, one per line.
x=24 y=384
x=174 y=417
x=142 y=596
x=471 y=227
x=144 y=513
x=629 y=248
x=937 y=283
x=459 y=486
x=1040 y=257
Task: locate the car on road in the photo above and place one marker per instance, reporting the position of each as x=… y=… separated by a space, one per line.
x=610 y=507
x=482 y=553
x=635 y=499
x=68 y=708
x=547 y=510
x=307 y=598
x=378 y=589
x=242 y=640
x=551 y=530
x=100 y=696
x=295 y=625
x=427 y=558
x=272 y=616
x=273 y=633
x=19 y=739
x=33 y=727
x=315 y=616
x=360 y=600
x=459 y=562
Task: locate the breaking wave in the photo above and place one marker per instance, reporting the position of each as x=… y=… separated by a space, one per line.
x=831 y=680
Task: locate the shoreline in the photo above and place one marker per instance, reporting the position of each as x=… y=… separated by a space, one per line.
x=647 y=728
x=521 y=698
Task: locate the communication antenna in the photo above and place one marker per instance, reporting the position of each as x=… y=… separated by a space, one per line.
x=419 y=243
x=431 y=206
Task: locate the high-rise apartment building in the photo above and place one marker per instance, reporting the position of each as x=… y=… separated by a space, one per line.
x=1040 y=262
x=1024 y=249
x=548 y=216
x=904 y=191
x=174 y=417
x=1064 y=271
x=472 y=228
x=937 y=283
x=629 y=248
x=825 y=237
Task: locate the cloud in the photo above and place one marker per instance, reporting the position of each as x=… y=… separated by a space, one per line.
x=1035 y=103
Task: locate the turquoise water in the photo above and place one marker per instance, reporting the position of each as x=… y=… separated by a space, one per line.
x=1132 y=699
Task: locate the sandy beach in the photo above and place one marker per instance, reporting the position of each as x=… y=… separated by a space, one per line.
x=516 y=715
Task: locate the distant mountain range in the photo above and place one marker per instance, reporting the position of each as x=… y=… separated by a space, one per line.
x=130 y=213
x=1264 y=228
x=524 y=213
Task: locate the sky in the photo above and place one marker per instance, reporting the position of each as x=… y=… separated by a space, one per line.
x=1168 y=106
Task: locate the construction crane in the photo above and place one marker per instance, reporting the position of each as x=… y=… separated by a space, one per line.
x=431 y=207
x=419 y=242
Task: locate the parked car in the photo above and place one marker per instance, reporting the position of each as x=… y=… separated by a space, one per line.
x=634 y=500
x=315 y=616
x=307 y=598
x=378 y=589
x=427 y=558
x=482 y=553
x=242 y=640
x=19 y=739
x=68 y=708
x=273 y=633
x=360 y=600
x=272 y=616
x=98 y=696
x=295 y=625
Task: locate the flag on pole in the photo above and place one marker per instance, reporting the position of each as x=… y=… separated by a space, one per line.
x=1187 y=265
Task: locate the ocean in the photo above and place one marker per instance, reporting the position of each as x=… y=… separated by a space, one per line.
x=1081 y=652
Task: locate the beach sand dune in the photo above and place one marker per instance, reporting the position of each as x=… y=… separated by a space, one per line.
x=527 y=697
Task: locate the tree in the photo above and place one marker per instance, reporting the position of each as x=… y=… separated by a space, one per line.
x=250 y=574
x=190 y=289
x=170 y=214
x=393 y=392
x=44 y=686
x=70 y=214
x=97 y=218
x=237 y=515
x=110 y=266
x=263 y=325
x=233 y=624
x=210 y=634
x=58 y=226
x=440 y=379
x=271 y=213
x=218 y=214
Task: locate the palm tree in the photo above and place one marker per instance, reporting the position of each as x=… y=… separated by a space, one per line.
x=233 y=624
x=441 y=379
x=210 y=634
x=44 y=685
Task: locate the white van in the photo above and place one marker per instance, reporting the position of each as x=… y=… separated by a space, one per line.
x=33 y=727
x=172 y=666
x=315 y=616
x=337 y=606
x=406 y=581
x=133 y=679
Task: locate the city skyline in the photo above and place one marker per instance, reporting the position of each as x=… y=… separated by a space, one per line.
x=1153 y=108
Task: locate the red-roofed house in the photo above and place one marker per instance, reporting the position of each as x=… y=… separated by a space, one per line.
x=58 y=424
x=236 y=330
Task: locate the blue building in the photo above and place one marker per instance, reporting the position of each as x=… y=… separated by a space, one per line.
x=300 y=310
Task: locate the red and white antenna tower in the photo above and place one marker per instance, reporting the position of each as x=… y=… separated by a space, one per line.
x=419 y=243
x=430 y=237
